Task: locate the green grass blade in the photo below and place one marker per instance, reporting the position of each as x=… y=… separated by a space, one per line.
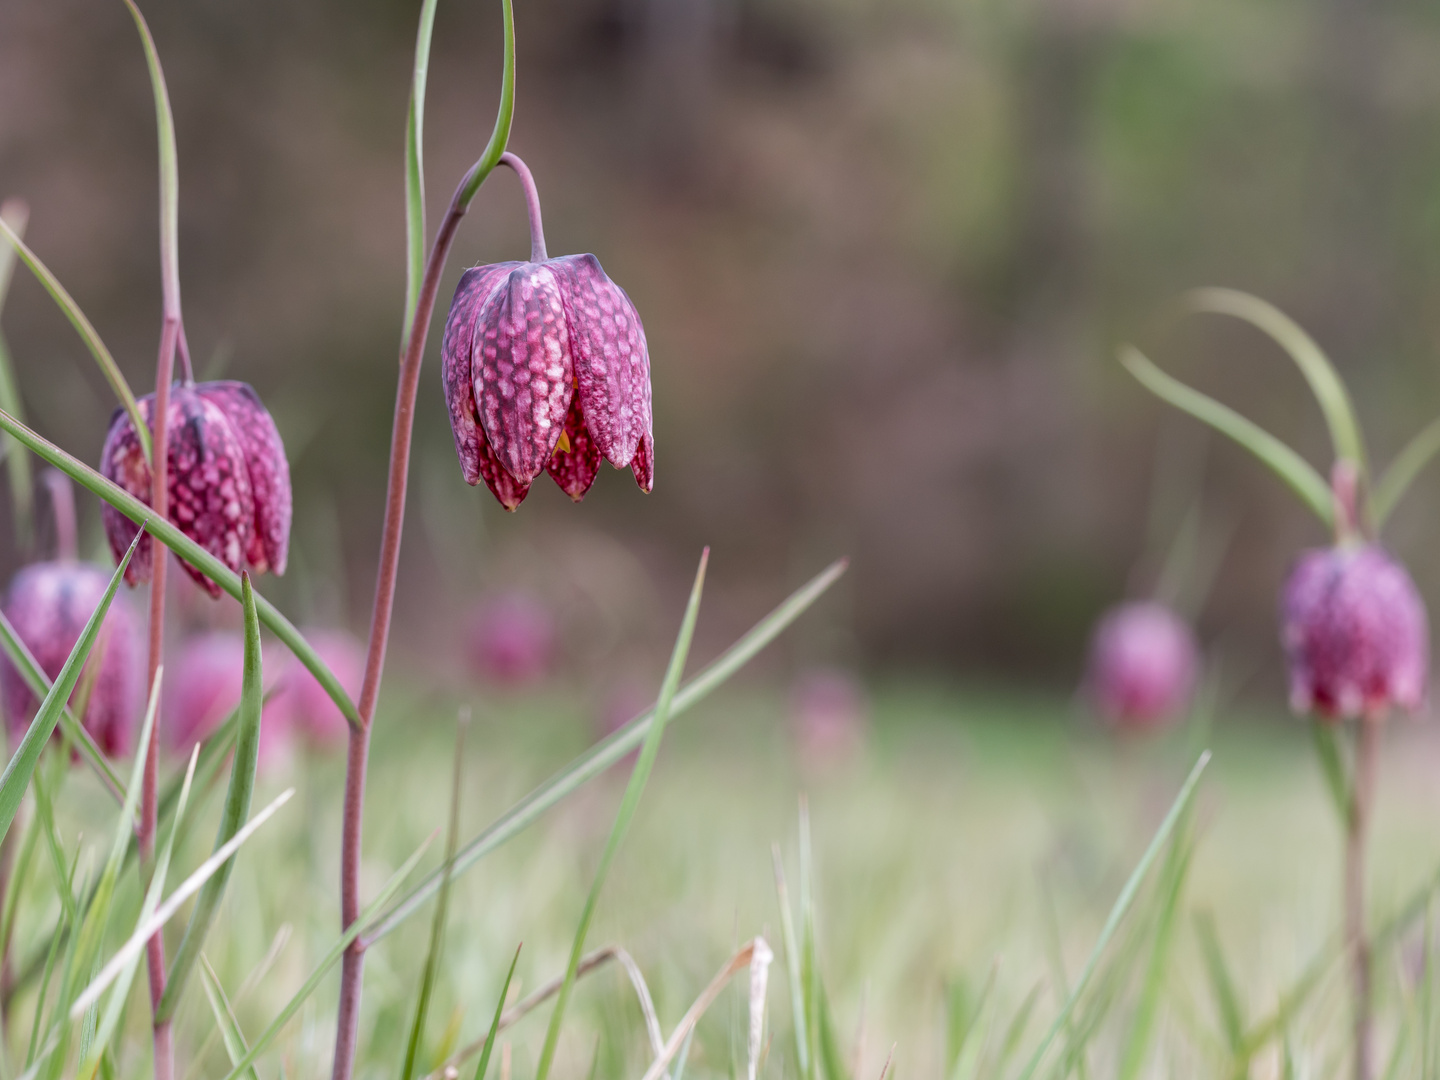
x=1329 y=391
x=330 y=959
x=609 y=750
x=188 y=888
x=792 y=966
x=1117 y=913
x=165 y=532
x=14 y=213
x=169 y=167
x=1403 y=471
x=235 y=1045
x=500 y=135
x=1332 y=766
x=232 y=818
x=495 y=1023
x=1172 y=884
x=437 y=928
x=415 y=166
x=21 y=767
x=628 y=804
x=35 y=678
x=115 y=1007
x=1294 y=470
x=108 y=367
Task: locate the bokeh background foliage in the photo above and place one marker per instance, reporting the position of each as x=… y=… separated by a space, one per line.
x=883 y=253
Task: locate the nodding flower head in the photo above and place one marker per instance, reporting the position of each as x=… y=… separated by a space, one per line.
x=49 y=604
x=512 y=640
x=228 y=480
x=545 y=370
x=1143 y=664
x=1355 y=633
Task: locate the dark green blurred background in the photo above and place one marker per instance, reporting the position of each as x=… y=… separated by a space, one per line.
x=884 y=253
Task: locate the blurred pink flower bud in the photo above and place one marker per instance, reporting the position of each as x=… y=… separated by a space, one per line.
x=1143 y=665
x=1355 y=633
x=48 y=604
x=229 y=482
x=829 y=716
x=203 y=682
x=545 y=369
x=512 y=640
x=307 y=709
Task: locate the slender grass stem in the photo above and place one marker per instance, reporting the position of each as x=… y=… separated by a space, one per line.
x=347 y=1019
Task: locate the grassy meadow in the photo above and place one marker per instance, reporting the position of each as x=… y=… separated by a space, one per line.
x=963 y=865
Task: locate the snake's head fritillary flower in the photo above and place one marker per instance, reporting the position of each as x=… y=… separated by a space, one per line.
x=302 y=706
x=512 y=639
x=1142 y=667
x=228 y=480
x=49 y=604
x=1355 y=631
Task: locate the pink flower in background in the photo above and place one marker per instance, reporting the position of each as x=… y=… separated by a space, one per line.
x=1355 y=632
x=545 y=369
x=512 y=640
x=203 y=682
x=229 y=482
x=306 y=708
x=48 y=604
x=829 y=716
x=1143 y=665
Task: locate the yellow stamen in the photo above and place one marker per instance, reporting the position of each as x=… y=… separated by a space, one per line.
x=563 y=446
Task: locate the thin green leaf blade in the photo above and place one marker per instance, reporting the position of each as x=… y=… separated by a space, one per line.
x=1294 y=470
x=235 y=1045
x=111 y=370
x=415 y=166
x=21 y=767
x=236 y=810
x=628 y=804
x=1324 y=382
x=613 y=748
x=166 y=532
x=330 y=959
x=500 y=134
x=437 y=928
x=1403 y=471
x=1117 y=913
x=16 y=214
x=35 y=678
x=495 y=1022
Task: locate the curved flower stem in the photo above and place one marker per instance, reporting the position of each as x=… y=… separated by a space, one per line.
x=149 y=802
x=1357 y=943
x=532 y=204
x=347 y=1019
x=62 y=505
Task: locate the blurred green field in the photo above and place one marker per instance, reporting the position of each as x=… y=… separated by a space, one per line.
x=979 y=832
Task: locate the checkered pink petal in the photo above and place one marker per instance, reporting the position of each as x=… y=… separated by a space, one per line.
x=612 y=365
x=575 y=470
x=520 y=361
x=268 y=468
x=475 y=287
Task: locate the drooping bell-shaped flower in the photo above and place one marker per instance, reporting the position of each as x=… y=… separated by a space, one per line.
x=203 y=683
x=1355 y=632
x=228 y=479
x=545 y=369
x=1142 y=667
x=49 y=604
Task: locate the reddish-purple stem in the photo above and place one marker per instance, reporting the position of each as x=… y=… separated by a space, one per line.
x=150 y=782
x=62 y=505
x=352 y=966
x=532 y=205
